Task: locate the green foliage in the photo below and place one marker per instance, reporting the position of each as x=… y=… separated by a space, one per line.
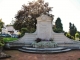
x=73 y=33
x=1 y=42
x=25 y=30
x=0 y=29
x=58 y=23
x=72 y=29
x=9 y=39
x=69 y=36
x=32 y=30
x=57 y=30
x=65 y=33
x=45 y=44
x=1 y=24
x=77 y=35
x=58 y=26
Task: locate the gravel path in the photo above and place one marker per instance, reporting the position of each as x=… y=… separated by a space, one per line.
x=17 y=55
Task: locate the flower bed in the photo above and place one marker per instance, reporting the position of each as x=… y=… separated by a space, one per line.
x=45 y=44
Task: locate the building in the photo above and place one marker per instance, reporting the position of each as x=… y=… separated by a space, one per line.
x=9 y=30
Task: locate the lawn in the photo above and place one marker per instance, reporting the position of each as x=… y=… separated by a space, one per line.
x=9 y=39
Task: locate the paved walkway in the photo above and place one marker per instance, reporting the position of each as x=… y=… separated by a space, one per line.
x=17 y=55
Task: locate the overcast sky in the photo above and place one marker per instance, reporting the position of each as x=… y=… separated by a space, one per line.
x=67 y=10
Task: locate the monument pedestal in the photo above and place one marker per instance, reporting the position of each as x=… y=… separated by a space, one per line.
x=44 y=27
x=43 y=31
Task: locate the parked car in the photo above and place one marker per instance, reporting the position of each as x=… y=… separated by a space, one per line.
x=5 y=35
x=14 y=35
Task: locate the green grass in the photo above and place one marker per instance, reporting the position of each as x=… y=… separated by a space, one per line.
x=9 y=39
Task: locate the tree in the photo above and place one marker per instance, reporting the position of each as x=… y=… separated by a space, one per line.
x=1 y=39
x=72 y=29
x=1 y=24
x=26 y=17
x=58 y=26
x=76 y=35
x=1 y=45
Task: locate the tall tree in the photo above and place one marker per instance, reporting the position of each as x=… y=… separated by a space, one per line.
x=26 y=17
x=72 y=29
x=1 y=24
x=1 y=39
x=58 y=26
x=1 y=44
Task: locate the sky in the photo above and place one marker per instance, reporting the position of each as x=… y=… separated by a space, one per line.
x=67 y=10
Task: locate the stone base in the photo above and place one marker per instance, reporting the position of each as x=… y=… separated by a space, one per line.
x=57 y=37
x=44 y=50
x=61 y=38
x=28 y=38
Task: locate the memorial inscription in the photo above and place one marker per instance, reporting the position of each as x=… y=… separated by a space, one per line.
x=44 y=27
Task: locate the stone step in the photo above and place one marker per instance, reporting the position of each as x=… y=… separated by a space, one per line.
x=16 y=45
x=44 y=49
x=32 y=50
x=60 y=37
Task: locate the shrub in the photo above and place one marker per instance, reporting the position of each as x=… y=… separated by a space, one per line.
x=26 y=30
x=1 y=42
x=77 y=35
x=65 y=33
x=45 y=44
x=0 y=29
x=57 y=30
x=32 y=30
x=69 y=36
x=42 y=43
x=23 y=31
